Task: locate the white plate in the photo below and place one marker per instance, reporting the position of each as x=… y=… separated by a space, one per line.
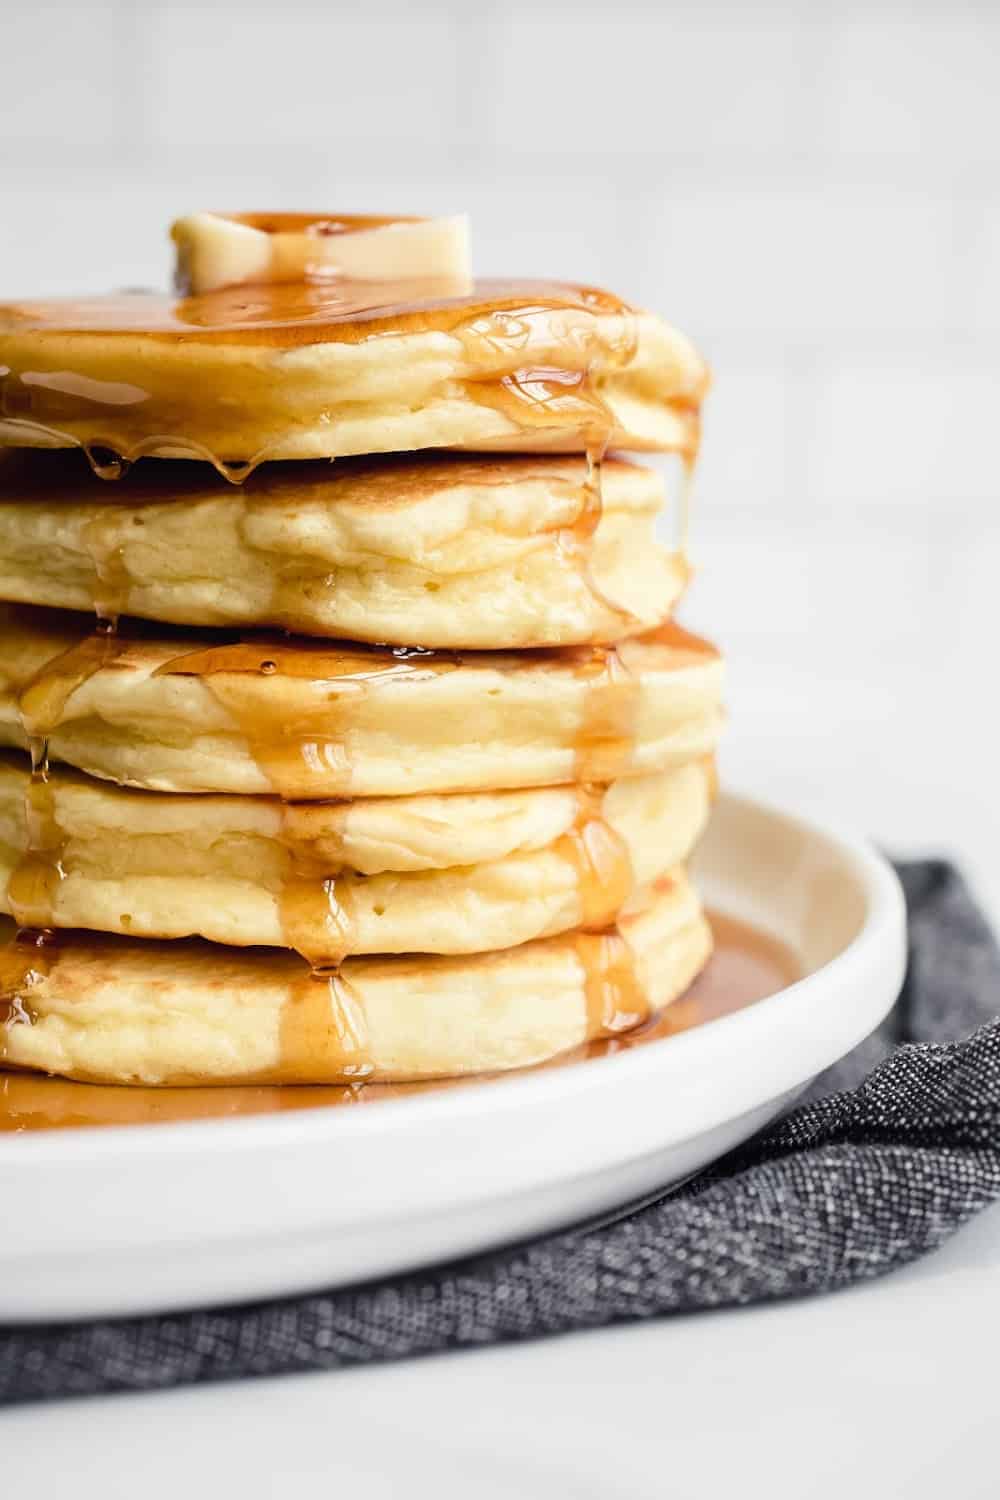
x=134 y=1219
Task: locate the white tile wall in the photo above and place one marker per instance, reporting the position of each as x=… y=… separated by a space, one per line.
x=915 y=79
x=239 y=76
x=696 y=78
x=56 y=69
x=813 y=192
x=811 y=254
x=907 y=429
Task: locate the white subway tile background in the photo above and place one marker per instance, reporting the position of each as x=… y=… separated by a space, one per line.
x=812 y=192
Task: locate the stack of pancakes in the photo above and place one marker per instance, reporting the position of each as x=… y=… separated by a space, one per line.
x=381 y=769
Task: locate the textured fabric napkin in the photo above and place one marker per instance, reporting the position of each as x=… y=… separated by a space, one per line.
x=893 y=1149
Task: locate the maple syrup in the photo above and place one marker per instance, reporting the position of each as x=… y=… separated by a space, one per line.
x=539 y=352
x=306 y=754
x=746 y=967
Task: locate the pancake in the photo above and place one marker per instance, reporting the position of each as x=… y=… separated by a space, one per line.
x=444 y=551
x=309 y=719
x=464 y=873
x=303 y=370
x=114 y=1010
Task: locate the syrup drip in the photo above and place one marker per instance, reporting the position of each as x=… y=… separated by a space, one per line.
x=316 y=920
x=606 y=737
x=535 y=397
x=103 y=541
x=34 y=883
x=111 y=531
x=599 y=859
x=309 y=659
x=576 y=541
x=316 y=916
x=302 y=742
x=108 y=465
x=44 y=699
x=306 y=754
x=237 y=471
x=616 y=999
x=313 y=748
x=323 y=1031
x=105 y=462
x=24 y=964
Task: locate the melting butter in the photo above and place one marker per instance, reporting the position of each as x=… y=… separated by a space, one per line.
x=220 y=250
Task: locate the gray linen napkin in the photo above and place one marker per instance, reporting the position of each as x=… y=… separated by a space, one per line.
x=894 y=1148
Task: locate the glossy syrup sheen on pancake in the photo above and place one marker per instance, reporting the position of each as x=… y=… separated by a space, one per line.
x=304 y=370
x=746 y=966
x=310 y=719
x=294 y=313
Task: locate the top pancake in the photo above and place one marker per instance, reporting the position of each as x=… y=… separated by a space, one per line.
x=302 y=370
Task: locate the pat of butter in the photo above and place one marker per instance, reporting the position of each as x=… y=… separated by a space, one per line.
x=218 y=250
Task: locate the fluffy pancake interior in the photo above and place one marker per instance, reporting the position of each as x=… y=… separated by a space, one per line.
x=111 y=1010
x=473 y=552
x=310 y=721
x=440 y=874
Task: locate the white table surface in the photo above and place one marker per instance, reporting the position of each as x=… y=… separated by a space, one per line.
x=882 y=1391
x=885 y=1390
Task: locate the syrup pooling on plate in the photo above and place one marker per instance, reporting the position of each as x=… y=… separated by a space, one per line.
x=746 y=966
x=538 y=352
